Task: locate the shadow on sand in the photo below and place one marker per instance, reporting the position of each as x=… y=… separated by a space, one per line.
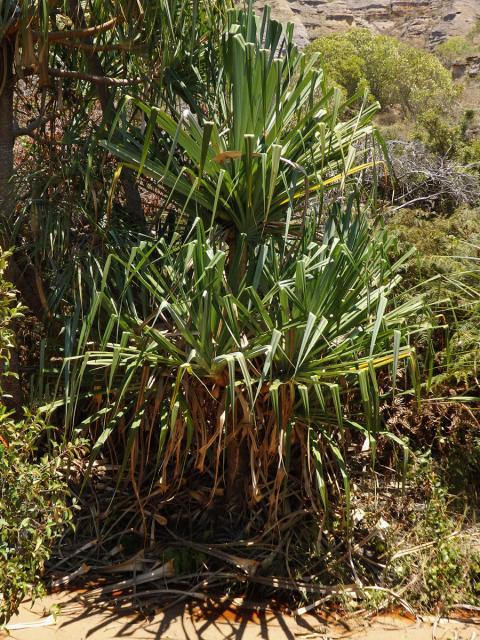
x=193 y=621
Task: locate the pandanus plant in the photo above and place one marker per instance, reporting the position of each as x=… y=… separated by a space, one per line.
x=245 y=347
x=269 y=139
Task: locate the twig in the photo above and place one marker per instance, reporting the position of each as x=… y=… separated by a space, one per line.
x=88 y=32
x=83 y=46
x=310 y=607
x=420 y=547
x=32 y=126
x=82 y=570
x=394 y=595
x=85 y=547
x=79 y=75
x=166 y=570
x=467 y=607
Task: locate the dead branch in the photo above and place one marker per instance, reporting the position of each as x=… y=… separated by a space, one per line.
x=83 y=46
x=428 y=180
x=32 y=126
x=104 y=80
x=88 y=32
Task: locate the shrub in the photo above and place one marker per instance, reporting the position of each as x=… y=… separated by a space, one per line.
x=232 y=351
x=271 y=363
x=454 y=49
x=9 y=312
x=447 y=262
x=395 y=73
x=33 y=507
x=440 y=135
x=442 y=566
x=457 y=48
x=33 y=490
x=449 y=138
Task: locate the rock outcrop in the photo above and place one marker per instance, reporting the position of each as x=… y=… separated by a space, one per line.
x=422 y=22
x=469 y=67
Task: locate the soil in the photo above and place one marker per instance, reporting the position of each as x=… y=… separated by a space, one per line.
x=79 y=618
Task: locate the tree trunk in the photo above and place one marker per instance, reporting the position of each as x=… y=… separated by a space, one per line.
x=10 y=387
x=22 y=279
x=237 y=472
x=6 y=133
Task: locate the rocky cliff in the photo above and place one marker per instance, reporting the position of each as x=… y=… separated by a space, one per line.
x=422 y=22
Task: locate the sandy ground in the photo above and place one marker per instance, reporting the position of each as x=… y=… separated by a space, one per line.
x=80 y=620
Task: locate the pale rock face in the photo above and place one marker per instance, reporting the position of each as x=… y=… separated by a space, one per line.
x=423 y=22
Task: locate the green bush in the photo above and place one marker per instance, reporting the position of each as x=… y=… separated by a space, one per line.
x=444 y=244
x=439 y=134
x=437 y=575
x=33 y=508
x=457 y=48
x=396 y=73
x=418 y=95
x=33 y=489
x=9 y=311
x=447 y=263
x=460 y=47
x=449 y=137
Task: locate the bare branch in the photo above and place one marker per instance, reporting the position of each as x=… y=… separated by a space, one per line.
x=88 y=32
x=104 y=80
x=427 y=179
x=32 y=126
x=83 y=46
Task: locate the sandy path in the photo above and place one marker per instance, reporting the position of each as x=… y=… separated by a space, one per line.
x=79 y=620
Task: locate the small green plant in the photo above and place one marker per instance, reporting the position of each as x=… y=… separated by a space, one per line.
x=438 y=132
x=10 y=311
x=34 y=507
x=458 y=48
x=440 y=566
x=33 y=489
x=443 y=573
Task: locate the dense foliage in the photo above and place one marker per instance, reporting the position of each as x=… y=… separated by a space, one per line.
x=33 y=488
x=458 y=48
x=66 y=67
x=395 y=73
x=34 y=509
x=446 y=266
x=213 y=244
x=256 y=330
